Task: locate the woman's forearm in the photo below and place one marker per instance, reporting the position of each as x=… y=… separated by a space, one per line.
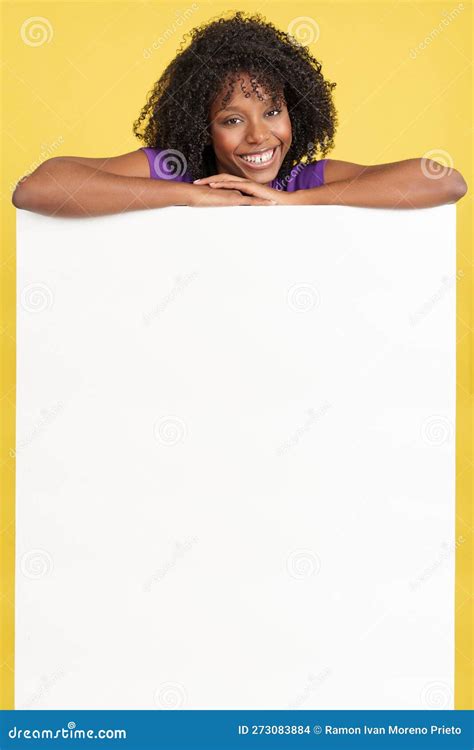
x=401 y=185
x=66 y=188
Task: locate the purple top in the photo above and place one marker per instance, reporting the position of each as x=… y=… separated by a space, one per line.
x=169 y=164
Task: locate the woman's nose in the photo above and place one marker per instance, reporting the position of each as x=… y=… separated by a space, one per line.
x=257 y=133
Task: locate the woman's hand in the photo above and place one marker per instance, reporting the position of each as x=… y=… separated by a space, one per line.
x=243 y=185
x=205 y=195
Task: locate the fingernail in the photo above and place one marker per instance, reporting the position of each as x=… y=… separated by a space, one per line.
x=196 y=180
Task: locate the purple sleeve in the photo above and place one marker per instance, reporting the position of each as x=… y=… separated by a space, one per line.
x=150 y=155
x=310 y=176
x=167 y=164
x=320 y=167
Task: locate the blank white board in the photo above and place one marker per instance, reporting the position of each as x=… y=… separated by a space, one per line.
x=236 y=459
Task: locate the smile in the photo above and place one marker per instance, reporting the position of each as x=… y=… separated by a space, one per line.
x=262 y=158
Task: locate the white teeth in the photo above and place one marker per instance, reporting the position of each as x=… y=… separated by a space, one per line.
x=260 y=158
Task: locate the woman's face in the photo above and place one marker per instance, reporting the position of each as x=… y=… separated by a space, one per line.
x=250 y=137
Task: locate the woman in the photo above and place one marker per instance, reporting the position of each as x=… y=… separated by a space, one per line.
x=241 y=116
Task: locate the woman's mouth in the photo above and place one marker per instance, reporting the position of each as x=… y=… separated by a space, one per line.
x=260 y=159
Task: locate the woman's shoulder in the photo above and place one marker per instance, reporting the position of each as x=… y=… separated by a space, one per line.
x=167 y=164
x=302 y=176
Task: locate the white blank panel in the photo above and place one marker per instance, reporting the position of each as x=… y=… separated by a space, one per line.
x=236 y=459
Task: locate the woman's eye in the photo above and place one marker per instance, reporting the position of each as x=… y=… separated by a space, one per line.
x=232 y=120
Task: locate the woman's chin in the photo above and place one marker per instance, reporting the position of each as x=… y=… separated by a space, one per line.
x=267 y=179
x=261 y=176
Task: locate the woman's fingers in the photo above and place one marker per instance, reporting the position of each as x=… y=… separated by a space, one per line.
x=219 y=178
x=260 y=195
x=231 y=197
x=230 y=183
x=250 y=188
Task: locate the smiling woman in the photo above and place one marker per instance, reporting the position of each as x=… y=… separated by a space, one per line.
x=251 y=137
x=251 y=125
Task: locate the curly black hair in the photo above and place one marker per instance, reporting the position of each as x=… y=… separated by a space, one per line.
x=176 y=114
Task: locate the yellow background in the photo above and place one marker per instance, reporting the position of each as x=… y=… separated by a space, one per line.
x=79 y=92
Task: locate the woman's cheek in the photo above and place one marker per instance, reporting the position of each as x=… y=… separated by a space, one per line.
x=231 y=144
x=225 y=145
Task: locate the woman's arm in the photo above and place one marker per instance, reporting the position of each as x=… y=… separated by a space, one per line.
x=412 y=183
x=74 y=186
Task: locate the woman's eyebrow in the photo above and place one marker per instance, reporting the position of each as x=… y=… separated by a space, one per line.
x=236 y=109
